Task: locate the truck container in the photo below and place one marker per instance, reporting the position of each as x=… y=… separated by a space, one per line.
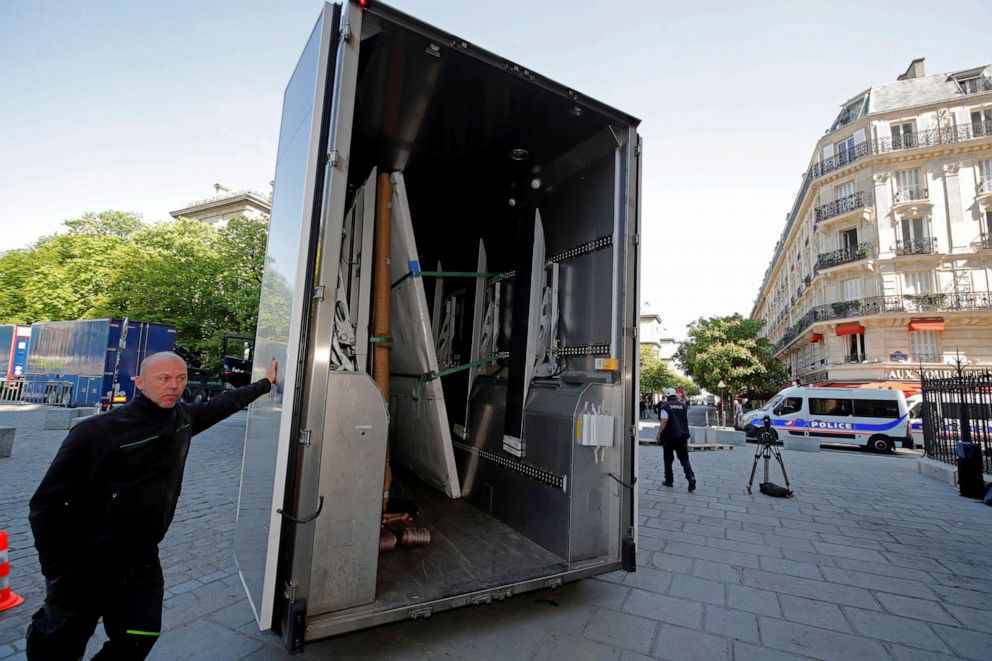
x=90 y=362
x=15 y=343
x=450 y=289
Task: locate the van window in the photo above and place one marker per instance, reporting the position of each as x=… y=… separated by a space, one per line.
x=789 y=405
x=823 y=406
x=915 y=411
x=876 y=408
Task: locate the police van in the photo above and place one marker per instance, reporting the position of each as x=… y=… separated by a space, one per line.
x=946 y=416
x=874 y=418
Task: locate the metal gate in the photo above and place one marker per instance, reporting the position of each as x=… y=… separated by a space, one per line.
x=958 y=408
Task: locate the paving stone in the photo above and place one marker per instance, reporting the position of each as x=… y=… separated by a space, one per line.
x=804 y=587
x=562 y=647
x=717 y=571
x=202 y=640
x=876 y=582
x=760 y=602
x=681 y=644
x=743 y=547
x=710 y=592
x=733 y=624
x=669 y=561
x=964 y=643
x=749 y=652
x=674 y=610
x=712 y=554
x=848 y=552
x=885 y=569
x=894 y=629
x=819 y=643
x=622 y=630
x=814 y=613
x=917 y=609
x=901 y=653
x=790 y=567
x=745 y=536
x=960 y=596
x=705 y=531
x=971 y=618
x=813 y=558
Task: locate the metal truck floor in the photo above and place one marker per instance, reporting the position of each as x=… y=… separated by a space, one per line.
x=469 y=551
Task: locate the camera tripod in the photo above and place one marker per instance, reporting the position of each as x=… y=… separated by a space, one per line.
x=766 y=450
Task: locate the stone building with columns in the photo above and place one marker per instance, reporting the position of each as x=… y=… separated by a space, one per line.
x=884 y=266
x=225 y=205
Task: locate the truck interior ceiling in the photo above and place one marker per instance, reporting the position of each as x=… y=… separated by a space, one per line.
x=487 y=161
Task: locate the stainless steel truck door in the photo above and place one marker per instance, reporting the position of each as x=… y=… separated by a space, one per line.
x=283 y=311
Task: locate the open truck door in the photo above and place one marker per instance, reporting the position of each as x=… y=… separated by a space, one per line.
x=481 y=416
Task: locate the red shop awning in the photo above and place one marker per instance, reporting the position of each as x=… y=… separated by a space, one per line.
x=815 y=337
x=926 y=324
x=849 y=329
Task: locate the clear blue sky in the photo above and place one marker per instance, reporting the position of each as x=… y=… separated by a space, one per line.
x=142 y=106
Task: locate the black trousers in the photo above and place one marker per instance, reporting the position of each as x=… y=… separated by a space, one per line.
x=129 y=599
x=672 y=448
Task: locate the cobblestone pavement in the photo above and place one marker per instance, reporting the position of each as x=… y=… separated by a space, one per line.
x=869 y=561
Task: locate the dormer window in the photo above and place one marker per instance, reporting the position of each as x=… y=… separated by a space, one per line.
x=972 y=82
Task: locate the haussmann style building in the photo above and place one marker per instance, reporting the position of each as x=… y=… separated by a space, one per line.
x=884 y=266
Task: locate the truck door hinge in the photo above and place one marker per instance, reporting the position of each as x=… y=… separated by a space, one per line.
x=290 y=591
x=304 y=439
x=346 y=32
x=635 y=238
x=631 y=331
x=633 y=431
x=332 y=158
x=318 y=293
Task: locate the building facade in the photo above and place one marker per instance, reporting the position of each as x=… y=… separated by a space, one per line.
x=653 y=334
x=225 y=205
x=885 y=262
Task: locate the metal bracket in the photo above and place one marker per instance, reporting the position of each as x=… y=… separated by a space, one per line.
x=631 y=331
x=553 y=583
x=346 y=32
x=421 y=613
x=304 y=438
x=290 y=591
x=332 y=158
x=633 y=431
x=635 y=238
x=318 y=293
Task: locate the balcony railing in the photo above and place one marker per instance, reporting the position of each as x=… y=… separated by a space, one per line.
x=985 y=186
x=875 y=305
x=986 y=241
x=842 y=205
x=940 y=136
x=855 y=358
x=926 y=245
x=910 y=193
x=826 y=260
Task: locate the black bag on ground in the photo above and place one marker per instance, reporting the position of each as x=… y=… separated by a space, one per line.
x=772 y=489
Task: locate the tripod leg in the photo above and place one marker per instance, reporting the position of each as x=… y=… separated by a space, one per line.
x=778 y=456
x=754 y=467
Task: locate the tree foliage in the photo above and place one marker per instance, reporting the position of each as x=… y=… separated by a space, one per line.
x=204 y=280
x=729 y=349
x=656 y=376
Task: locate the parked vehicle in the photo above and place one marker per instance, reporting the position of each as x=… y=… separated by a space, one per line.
x=90 y=361
x=437 y=210
x=947 y=417
x=15 y=343
x=874 y=418
x=235 y=369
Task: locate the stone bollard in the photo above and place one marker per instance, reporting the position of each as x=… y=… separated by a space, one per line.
x=6 y=441
x=59 y=418
x=801 y=443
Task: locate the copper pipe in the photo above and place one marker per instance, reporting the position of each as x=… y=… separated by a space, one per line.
x=413 y=538
x=381 y=292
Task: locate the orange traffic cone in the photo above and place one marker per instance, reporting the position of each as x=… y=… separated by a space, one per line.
x=8 y=599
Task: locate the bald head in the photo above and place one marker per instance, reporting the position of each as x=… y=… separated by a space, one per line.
x=156 y=358
x=162 y=378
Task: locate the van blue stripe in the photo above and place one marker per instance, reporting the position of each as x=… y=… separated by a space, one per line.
x=854 y=426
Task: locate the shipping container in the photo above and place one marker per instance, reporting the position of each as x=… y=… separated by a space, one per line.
x=450 y=288
x=15 y=342
x=90 y=362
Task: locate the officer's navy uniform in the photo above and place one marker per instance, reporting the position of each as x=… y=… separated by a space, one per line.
x=675 y=440
x=98 y=516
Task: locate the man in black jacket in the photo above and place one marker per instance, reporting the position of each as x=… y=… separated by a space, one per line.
x=673 y=433
x=105 y=504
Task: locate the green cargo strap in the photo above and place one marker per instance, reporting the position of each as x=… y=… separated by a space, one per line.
x=430 y=376
x=385 y=340
x=446 y=274
x=135 y=632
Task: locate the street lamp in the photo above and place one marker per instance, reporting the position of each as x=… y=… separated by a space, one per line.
x=723 y=404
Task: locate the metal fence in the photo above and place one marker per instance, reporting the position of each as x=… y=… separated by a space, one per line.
x=11 y=390
x=955 y=409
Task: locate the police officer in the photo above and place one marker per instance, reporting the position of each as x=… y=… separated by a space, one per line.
x=105 y=504
x=673 y=433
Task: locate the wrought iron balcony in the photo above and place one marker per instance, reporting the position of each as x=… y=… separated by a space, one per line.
x=910 y=193
x=842 y=158
x=985 y=241
x=807 y=280
x=876 y=305
x=985 y=186
x=842 y=205
x=826 y=260
x=926 y=245
x=855 y=358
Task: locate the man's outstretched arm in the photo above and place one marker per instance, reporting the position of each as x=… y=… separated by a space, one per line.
x=207 y=414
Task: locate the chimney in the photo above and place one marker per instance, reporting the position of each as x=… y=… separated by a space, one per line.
x=915 y=70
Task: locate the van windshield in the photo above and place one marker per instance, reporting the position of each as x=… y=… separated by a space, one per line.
x=771 y=404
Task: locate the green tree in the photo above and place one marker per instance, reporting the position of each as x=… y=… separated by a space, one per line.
x=728 y=349
x=656 y=376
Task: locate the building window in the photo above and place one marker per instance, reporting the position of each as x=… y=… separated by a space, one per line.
x=925 y=346
x=849 y=240
x=844 y=190
x=981 y=121
x=985 y=176
x=917 y=282
x=845 y=151
x=915 y=237
x=853 y=289
x=856 y=348
x=902 y=135
x=908 y=186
